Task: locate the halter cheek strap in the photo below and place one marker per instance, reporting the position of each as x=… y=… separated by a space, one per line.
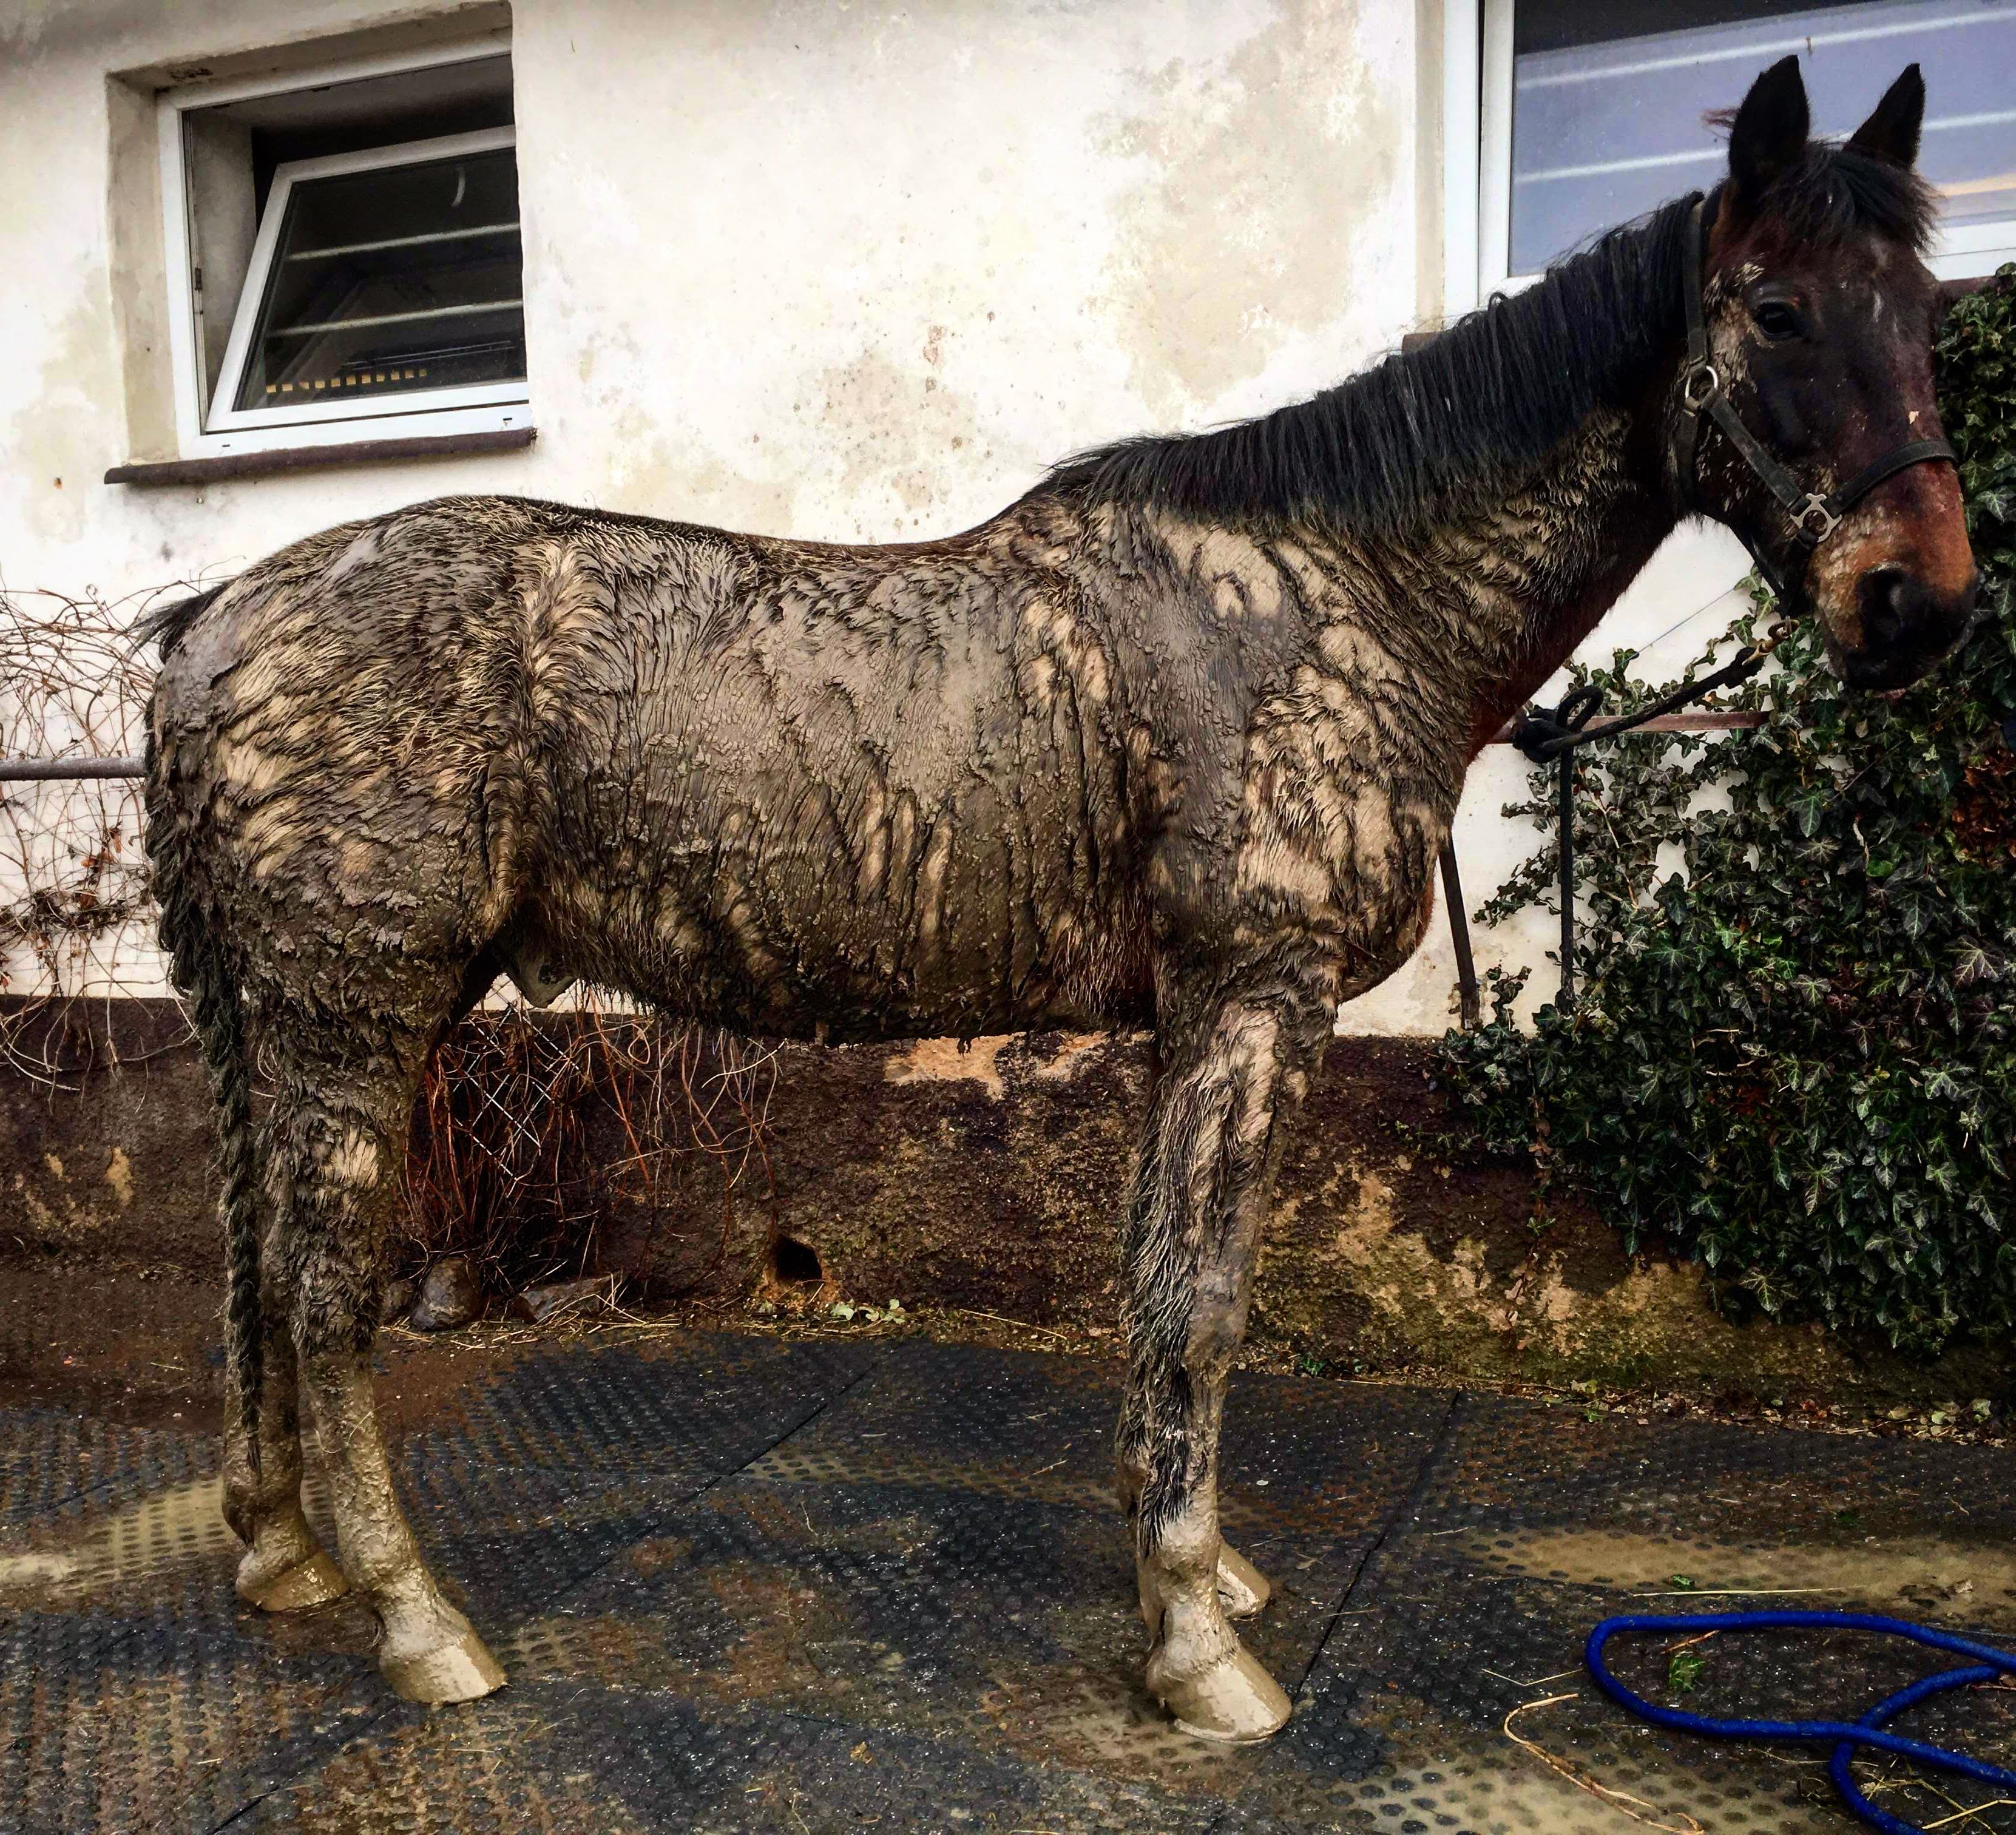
x=1814 y=517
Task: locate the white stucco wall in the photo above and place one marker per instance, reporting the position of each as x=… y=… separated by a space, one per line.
x=845 y=271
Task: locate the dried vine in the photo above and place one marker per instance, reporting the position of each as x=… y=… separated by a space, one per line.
x=535 y=1131
x=74 y=875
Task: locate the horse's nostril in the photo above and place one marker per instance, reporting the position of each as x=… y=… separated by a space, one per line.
x=1903 y=618
x=1892 y=603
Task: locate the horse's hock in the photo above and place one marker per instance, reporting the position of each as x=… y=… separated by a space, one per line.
x=986 y=1176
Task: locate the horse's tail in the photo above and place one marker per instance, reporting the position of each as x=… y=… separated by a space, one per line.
x=168 y=625
x=202 y=964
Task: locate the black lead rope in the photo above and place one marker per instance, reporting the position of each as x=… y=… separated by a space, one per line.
x=1554 y=733
x=1544 y=733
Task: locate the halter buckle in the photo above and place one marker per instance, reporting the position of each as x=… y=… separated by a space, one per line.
x=1699 y=386
x=1814 y=519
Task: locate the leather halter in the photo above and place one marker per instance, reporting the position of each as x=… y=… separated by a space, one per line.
x=1814 y=516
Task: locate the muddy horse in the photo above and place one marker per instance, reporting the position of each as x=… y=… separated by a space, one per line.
x=1172 y=743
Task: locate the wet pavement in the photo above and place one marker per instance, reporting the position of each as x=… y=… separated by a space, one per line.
x=741 y=1584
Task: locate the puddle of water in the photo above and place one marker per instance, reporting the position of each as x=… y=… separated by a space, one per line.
x=1482 y=1780
x=21 y=1570
x=1963 y=1579
x=1098 y=1720
x=182 y=1526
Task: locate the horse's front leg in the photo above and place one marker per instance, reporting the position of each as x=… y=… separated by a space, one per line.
x=1233 y=1073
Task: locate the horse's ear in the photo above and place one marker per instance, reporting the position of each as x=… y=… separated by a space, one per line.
x=1770 y=132
x=1892 y=131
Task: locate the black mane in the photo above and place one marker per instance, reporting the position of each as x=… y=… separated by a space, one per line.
x=1410 y=439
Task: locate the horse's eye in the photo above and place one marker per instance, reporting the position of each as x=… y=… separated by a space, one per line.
x=1776 y=320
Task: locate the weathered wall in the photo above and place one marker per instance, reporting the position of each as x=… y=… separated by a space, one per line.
x=991 y=1178
x=851 y=271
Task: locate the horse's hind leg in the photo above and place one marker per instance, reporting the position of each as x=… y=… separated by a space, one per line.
x=284 y=1568
x=338 y=1147
x=1237 y=1067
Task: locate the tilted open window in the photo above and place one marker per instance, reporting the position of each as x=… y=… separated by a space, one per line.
x=389 y=280
x=345 y=256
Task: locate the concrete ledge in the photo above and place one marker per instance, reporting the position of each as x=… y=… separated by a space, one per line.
x=295 y=458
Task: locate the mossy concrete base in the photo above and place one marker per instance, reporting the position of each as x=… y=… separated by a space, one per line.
x=999 y=1183
x=991 y=1176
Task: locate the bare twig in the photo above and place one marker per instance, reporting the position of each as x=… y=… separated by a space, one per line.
x=1967 y=1813
x=512 y=1165
x=1020 y=1326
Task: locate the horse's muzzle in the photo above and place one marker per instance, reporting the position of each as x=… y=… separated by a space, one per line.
x=1906 y=627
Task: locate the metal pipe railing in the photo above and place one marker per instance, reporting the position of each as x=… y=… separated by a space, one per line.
x=1469 y=995
x=17 y=770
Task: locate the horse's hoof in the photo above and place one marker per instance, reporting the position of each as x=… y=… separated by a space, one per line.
x=1243 y=1589
x=459 y=1668
x=1235 y=1702
x=313 y=1581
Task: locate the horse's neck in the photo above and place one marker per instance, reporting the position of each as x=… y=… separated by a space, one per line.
x=1509 y=590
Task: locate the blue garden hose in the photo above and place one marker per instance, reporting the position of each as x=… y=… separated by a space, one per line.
x=1843 y=1735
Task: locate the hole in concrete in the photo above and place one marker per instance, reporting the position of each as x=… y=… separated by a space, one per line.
x=796 y=1262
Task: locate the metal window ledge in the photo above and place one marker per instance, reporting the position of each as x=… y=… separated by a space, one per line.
x=294 y=459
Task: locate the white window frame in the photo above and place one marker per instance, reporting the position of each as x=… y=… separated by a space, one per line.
x=223 y=418
x=1478 y=189
x=1494 y=209
x=206 y=425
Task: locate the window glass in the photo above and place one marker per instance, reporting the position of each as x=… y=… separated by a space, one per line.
x=388 y=282
x=1607 y=101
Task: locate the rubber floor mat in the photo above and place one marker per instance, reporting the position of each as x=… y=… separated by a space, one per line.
x=744 y=1585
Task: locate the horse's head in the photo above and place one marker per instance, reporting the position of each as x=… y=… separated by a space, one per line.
x=1818 y=315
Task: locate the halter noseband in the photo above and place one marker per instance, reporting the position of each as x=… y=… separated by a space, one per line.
x=1814 y=517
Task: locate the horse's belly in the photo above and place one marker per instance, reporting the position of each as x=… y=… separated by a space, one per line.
x=912 y=930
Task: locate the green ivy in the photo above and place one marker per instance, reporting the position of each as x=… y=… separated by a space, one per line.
x=1793 y=1054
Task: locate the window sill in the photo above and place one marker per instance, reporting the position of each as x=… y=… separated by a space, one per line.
x=294 y=459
